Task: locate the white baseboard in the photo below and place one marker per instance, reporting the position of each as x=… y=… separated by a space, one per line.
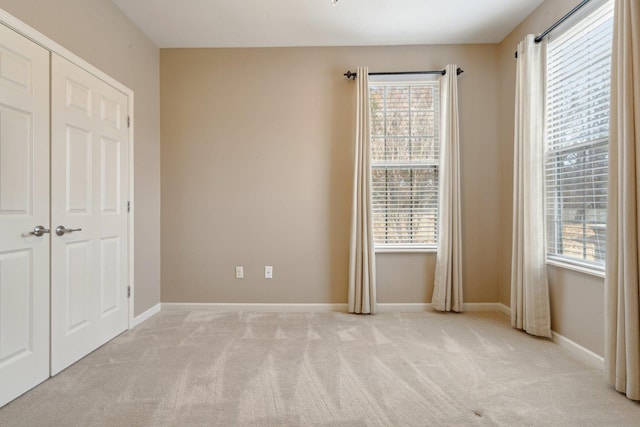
x=268 y=308
x=504 y=309
x=145 y=315
x=413 y=307
x=402 y=307
x=579 y=352
x=482 y=306
x=292 y=308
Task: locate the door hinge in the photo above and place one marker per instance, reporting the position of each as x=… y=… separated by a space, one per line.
x=128 y=121
x=128 y=206
x=128 y=291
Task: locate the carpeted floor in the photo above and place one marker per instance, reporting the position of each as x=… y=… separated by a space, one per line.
x=324 y=369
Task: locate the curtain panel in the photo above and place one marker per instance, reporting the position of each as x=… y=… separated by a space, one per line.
x=622 y=289
x=447 y=288
x=362 y=262
x=530 y=307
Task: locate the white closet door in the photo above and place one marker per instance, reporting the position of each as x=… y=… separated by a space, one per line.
x=89 y=182
x=24 y=204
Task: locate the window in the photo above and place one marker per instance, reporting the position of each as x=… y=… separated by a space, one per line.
x=404 y=149
x=577 y=132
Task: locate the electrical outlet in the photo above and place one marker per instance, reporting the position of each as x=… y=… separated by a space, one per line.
x=239 y=272
x=268 y=272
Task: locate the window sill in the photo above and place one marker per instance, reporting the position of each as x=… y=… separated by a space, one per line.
x=592 y=271
x=405 y=250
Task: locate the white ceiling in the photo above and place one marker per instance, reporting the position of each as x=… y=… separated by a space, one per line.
x=263 y=23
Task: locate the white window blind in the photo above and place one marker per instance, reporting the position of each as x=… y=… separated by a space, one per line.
x=577 y=132
x=405 y=121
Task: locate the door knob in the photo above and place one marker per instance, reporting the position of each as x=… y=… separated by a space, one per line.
x=38 y=231
x=60 y=230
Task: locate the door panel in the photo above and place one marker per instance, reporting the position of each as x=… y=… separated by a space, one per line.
x=24 y=204
x=110 y=179
x=15 y=303
x=89 y=181
x=78 y=179
x=77 y=286
x=15 y=161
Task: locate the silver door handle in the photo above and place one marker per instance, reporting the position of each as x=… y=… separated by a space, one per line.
x=60 y=230
x=38 y=231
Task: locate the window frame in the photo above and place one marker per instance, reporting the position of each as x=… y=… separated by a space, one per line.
x=559 y=260
x=408 y=81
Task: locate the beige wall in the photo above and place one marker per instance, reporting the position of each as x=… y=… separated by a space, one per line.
x=577 y=305
x=257 y=170
x=99 y=33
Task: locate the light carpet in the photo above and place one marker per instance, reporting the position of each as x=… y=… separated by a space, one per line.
x=184 y=368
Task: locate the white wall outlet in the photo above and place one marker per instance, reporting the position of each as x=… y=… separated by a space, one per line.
x=268 y=272
x=239 y=272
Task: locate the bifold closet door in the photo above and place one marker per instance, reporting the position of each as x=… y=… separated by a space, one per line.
x=89 y=193
x=24 y=214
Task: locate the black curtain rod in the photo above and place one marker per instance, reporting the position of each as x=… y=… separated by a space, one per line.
x=353 y=76
x=546 y=32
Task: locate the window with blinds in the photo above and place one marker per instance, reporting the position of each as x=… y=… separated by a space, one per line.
x=577 y=132
x=404 y=161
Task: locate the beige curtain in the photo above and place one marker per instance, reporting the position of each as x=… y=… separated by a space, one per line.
x=362 y=262
x=447 y=288
x=622 y=296
x=530 y=308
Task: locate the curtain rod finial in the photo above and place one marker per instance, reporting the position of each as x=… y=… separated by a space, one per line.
x=350 y=75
